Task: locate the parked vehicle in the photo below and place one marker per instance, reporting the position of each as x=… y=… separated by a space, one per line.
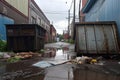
x=96 y=38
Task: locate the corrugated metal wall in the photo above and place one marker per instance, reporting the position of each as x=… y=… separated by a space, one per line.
x=96 y=37
x=105 y=10
x=4 y=20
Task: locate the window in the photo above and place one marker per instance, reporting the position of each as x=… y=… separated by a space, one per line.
x=33 y=20
x=39 y=21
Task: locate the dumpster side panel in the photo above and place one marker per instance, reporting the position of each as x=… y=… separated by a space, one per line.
x=90 y=38
x=95 y=37
x=25 y=37
x=100 y=39
x=82 y=39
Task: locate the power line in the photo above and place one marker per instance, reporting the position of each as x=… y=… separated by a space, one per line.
x=54 y=13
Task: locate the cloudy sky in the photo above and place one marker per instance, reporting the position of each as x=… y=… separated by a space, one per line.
x=57 y=12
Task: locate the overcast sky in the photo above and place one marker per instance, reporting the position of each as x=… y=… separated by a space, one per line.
x=57 y=12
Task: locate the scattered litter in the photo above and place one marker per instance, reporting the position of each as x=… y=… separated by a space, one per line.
x=100 y=63
x=57 y=62
x=26 y=55
x=100 y=58
x=87 y=60
x=118 y=62
x=82 y=60
x=5 y=55
x=115 y=57
x=93 y=61
x=1 y=55
x=42 y=64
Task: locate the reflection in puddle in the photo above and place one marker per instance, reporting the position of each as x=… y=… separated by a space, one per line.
x=56 y=53
x=97 y=73
x=24 y=70
x=59 y=72
x=61 y=54
x=59 y=58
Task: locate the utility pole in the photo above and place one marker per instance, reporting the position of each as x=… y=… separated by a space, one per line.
x=74 y=20
x=79 y=11
x=68 y=23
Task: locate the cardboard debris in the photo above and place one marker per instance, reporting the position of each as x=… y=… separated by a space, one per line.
x=5 y=55
x=58 y=62
x=42 y=64
x=26 y=55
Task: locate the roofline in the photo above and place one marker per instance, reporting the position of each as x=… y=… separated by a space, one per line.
x=14 y=9
x=98 y=22
x=39 y=9
x=52 y=26
x=88 y=5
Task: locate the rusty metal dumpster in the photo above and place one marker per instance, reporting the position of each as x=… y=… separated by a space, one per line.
x=96 y=38
x=25 y=37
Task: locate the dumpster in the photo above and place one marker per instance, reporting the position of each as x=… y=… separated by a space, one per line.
x=96 y=38
x=25 y=37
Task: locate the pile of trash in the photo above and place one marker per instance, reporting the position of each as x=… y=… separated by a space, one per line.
x=86 y=60
x=22 y=55
x=26 y=55
x=5 y=55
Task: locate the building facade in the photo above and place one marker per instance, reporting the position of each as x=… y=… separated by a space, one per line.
x=103 y=10
x=82 y=15
x=20 y=5
x=53 y=33
x=8 y=9
x=36 y=16
x=9 y=14
x=65 y=35
x=25 y=12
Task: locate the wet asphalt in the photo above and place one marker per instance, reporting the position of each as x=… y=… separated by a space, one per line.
x=24 y=70
x=65 y=52
x=59 y=69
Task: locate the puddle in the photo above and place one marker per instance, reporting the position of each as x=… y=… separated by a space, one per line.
x=59 y=58
x=59 y=71
x=61 y=55
x=92 y=72
x=22 y=70
x=35 y=69
x=54 y=65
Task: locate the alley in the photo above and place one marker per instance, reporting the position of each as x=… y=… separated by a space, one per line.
x=59 y=40
x=42 y=68
x=64 y=53
x=57 y=65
